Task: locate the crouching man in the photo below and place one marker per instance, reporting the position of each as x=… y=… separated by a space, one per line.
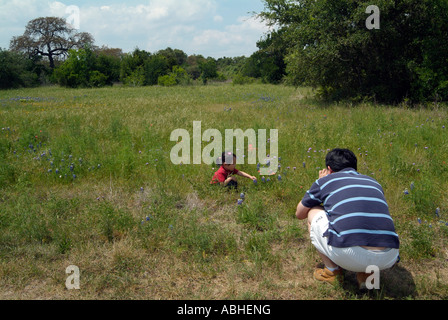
x=348 y=220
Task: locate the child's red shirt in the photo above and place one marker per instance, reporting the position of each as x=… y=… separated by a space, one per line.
x=221 y=175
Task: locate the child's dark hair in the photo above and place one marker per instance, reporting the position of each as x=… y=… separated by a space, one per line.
x=225 y=155
x=339 y=159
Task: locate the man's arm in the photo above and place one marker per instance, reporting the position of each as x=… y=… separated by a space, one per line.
x=302 y=211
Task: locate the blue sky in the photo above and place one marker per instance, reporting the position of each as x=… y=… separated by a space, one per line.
x=216 y=28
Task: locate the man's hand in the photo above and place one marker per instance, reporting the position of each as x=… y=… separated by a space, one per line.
x=323 y=173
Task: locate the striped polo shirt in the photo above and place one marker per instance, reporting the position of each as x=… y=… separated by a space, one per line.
x=357 y=210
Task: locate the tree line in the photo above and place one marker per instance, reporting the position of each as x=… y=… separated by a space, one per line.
x=327 y=45
x=324 y=44
x=51 y=52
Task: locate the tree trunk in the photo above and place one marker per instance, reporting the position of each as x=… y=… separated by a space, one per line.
x=50 y=57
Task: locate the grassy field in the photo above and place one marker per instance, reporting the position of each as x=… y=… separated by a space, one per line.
x=86 y=180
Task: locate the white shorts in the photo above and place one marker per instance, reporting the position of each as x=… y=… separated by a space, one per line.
x=355 y=259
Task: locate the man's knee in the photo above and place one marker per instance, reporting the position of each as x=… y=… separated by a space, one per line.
x=312 y=213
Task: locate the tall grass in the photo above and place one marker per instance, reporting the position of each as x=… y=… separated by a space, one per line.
x=86 y=179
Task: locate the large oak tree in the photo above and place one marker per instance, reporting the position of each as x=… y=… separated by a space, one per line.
x=50 y=37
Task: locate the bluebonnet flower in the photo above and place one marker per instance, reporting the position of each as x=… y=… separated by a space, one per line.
x=240 y=202
x=242 y=195
x=406 y=191
x=279 y=178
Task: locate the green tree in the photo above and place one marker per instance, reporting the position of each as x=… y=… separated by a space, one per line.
x=80 y=70
x=16 y=70
x=268 y=63
x=108 y=62
x=155 y=66
x=328 y=46
x=131 y=61
x=193 y=66
x=208 y=69
x=136 y=78
x=174 y=57
x=177 y=77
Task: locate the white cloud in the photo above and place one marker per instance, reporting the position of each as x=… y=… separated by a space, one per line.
x=245 y=33
x=152 y=25
x=158 y=19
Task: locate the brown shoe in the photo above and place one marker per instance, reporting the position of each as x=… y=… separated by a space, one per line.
x=323 y=274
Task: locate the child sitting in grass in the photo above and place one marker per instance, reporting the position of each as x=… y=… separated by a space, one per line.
x=226 y=173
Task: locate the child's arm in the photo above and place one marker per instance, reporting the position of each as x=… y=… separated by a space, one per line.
x=244 y=174
x=226 y=182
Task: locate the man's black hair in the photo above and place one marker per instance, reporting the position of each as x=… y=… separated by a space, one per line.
x=222 y=159
x=339 y=159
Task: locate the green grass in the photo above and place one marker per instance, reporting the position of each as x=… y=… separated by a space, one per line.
x=86 y=179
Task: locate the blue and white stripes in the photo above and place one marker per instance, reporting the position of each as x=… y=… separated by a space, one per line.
x=357 y=210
